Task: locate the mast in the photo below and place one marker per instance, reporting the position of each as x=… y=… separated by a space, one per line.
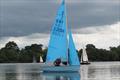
x=66 y=29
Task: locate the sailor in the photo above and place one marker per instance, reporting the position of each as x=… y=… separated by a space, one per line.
x=57 y=62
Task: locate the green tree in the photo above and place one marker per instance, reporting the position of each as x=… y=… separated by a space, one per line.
x=9 y=53
x=31 y=52
x=44 y=54
x=91 y=51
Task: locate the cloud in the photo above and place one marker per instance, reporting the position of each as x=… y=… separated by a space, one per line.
x=102 y=37
x=26 y=40
x=89 y=1
x=25 y=17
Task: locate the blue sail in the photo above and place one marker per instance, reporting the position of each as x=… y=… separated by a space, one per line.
x=73 y=57
x=58 y=40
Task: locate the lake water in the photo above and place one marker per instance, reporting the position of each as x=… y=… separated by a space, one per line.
x=94 y=71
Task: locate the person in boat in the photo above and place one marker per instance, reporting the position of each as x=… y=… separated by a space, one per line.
x=58 y=62
x=65 y=63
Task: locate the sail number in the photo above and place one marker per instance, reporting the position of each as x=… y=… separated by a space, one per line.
x=58 y=31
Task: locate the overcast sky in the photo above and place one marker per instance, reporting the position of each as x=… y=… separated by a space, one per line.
x=29 y=21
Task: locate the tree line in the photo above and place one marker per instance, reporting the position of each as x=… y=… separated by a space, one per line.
x=11 y=53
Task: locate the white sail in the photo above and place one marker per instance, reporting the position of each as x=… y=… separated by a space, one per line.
x=34 y=59
x=41 y=60
x=84 y=57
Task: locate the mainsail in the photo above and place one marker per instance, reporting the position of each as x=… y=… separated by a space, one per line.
x=73 y=57
x=84 y=57
x=58 y=40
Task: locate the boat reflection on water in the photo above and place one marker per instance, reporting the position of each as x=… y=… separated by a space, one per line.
x=33 y=72
x=61 y=76
x=40 y=76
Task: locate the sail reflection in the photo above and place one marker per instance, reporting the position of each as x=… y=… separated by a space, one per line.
x=41 y=76
x=61 y=76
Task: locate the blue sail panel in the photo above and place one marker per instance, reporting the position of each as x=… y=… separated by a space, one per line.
x=58 y=40
x=73 y=56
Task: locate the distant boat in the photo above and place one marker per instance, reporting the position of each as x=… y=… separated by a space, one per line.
x=84 y=57
x=34 y=59
x=59 y=45
x=41 y=59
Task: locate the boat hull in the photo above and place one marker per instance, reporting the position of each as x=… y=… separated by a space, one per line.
x=61 y=68
x=85 y=63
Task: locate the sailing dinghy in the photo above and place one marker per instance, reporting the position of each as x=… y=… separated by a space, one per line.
x=59 y=45
x=41 y=60
x=84 y=57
